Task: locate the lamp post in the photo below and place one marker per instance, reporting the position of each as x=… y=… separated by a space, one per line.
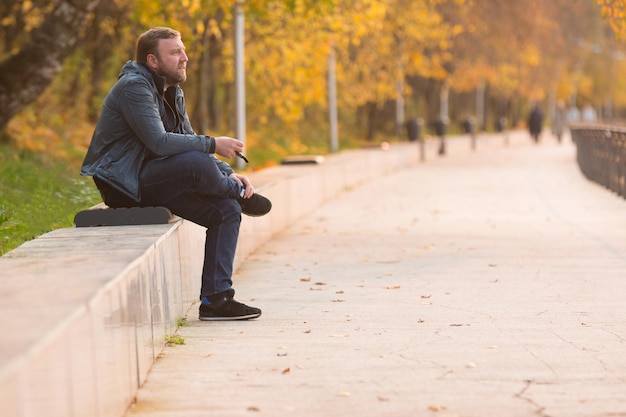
x=332 y=101
x=240 y=81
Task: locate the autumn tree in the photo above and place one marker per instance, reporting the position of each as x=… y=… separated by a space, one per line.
x=388 y=53
x=29 y=70
x=377 y=43
x=614 y=11
x=406 y=39
x=523 y=51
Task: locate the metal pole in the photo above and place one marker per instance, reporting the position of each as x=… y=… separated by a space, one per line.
x=240 y=81
x=332 y=102
x=480 y=105
x=399 y=108
x=443 y=100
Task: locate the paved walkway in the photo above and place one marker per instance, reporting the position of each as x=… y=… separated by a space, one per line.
x=480 y=284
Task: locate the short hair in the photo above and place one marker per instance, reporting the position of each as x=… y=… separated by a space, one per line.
x=148 y=42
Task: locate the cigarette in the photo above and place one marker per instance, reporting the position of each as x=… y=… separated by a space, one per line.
x=242 y=156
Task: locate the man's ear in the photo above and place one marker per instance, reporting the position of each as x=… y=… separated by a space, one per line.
x=152 y=61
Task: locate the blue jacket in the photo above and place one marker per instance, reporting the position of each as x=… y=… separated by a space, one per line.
x=131 y=129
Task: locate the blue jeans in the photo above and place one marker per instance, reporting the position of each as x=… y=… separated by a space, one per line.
x=191 y=186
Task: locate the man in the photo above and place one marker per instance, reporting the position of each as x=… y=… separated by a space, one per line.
x=144 y=152
x=535 y=122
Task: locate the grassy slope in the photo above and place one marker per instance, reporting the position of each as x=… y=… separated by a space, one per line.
x=38 y=194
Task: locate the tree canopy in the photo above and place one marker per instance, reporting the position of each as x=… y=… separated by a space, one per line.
x=520 y=52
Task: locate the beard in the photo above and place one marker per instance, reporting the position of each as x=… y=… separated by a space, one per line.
x=173 y=75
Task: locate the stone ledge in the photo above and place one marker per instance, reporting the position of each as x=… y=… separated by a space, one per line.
x=86 y=310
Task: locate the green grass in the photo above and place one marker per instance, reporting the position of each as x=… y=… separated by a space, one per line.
x=38 y=194
x=173 y=339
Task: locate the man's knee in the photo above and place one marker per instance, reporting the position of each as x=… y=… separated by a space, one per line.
x=197 y=162
x=232 y=207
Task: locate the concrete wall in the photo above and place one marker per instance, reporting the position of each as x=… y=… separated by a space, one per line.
x=85 y=311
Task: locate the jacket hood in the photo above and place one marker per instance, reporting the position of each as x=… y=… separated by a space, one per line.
x=133 y=67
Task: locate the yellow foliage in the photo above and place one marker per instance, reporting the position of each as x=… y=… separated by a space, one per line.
x=614 y=11
x=467 y=75
x=506 y=79
x=28 y=133
x=585 y=86
x=531 y=55
x=518 y=49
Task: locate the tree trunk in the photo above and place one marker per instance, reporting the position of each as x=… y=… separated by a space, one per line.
x=99 y=47
x=206 y=112
x=25 y=75
x=201 y=120
x=371 y=109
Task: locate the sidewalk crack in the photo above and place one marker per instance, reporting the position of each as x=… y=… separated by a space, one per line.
x=539 y=410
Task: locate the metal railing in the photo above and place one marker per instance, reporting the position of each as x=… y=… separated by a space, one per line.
x=601 y=155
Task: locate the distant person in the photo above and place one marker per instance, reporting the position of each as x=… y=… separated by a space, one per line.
x=535 y=122
x=589 y=114
x=573 y=114
x=144 y=152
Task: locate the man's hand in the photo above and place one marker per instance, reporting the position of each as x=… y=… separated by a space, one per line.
x=243 y=180
x=227 y=147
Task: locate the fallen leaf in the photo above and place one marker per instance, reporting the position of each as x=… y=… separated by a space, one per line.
x=392 y=287
x=320 y=283
x=436 y=407
x=426 y=296
x=339 y=292
x=307 y=331
x=307 y=279
x=286 y=371
x=254 y=409
x=381 y=398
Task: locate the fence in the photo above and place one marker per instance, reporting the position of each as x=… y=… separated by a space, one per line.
x=601 y=155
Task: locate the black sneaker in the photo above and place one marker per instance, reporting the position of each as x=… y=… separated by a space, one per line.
x=255 y=206
x=226 y=309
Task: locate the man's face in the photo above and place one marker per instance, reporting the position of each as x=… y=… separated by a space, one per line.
x=171 y=61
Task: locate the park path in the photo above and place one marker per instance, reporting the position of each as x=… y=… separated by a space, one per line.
x=485 y=284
